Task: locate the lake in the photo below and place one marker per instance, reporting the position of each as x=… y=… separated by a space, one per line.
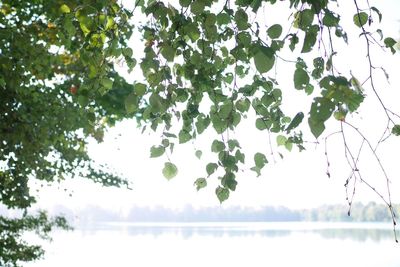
x=224 y=244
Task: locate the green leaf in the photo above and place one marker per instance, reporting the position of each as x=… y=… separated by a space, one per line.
x=2 y=82
x=170 y=170
x=168 y=52
x=165 y=142
x=255 y=5
x=310 y=39
x=156 y=151
x=65 y=9
x=69 y=26
x=321 y=110
x=377 y=12
x=222 y=194
x=257 y=170
x=281 y=140
x=197 y=7
x=239 y=156
x=202 y=124
x=198 y=154
x=289 y=145
x=229 y=181
x=140 y=89
x=339 y=115
x=319 y=64
x=127 y=52
x=241 y=19
x=301 y=79
x=184 y=136
x=217 y=146
x=200 y=183
x=295 y=122
x=243 y=105
x=293 y=41
x=210 y=20
x=260 y=160
x=107 y=83
x=232 y=144
x=309 y=89
x=360 y=19
x=223 y=18
x=131 y=103
x=390 y=42
x=304 y=19
x=225 y=110
x=185 y=3
x=211 y=168
x=396 y=130
x=316 y=127
x=264 y=59
x=169 y=135
x=330 y=20
x=379 y=31
x=274 y=31
x=260 y=124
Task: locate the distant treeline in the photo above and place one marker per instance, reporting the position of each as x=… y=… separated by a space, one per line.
x=371 y=212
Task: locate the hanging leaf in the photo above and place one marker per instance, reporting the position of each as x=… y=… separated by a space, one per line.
x=217 y=146
x=390 y=43
x=200 y=183
x=241 y=19
x=170 y=170
x=255 y=5
x=360 y=19
x=310 y=39
x=260 y=160
x=168 y=53
x=140 y=89
x=264 y=59
x=304 y=19
x=107 y=83
x=377 y=12
x=198 y=154
x=295 y=122
x=185 y=3
x=321 y=110
x=222 y=194
x=330 y=20
x=184 y=136
x=260 y=124
x=293 y=41
x=211 y=168
x=281 y=140
x=396 y=130
x=131 y=103
x=301 y=79
x=156 y=151
x=274 y=31
x=197 y=7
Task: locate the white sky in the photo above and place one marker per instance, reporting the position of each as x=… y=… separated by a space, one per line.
x=297 y=181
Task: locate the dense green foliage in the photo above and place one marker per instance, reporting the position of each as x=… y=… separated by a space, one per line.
x=206 y=64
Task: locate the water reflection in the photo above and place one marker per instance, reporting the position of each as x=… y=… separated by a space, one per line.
x=360 y=235
x=349 y=231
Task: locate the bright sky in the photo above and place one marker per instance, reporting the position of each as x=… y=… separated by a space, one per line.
x=297 y=181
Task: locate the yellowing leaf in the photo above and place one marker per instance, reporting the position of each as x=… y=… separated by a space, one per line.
x=65 y=9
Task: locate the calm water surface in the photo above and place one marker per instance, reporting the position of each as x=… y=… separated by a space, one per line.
x=224 y=244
